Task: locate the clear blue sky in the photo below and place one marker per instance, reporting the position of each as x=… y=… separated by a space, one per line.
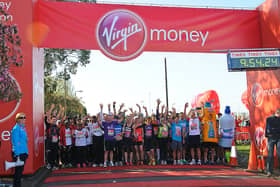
x=142 y=80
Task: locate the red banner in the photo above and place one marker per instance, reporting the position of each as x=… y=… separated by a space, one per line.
x=122 y=32
x=29 y=80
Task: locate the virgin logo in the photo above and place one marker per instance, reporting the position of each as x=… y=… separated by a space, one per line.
x=257 y=94
x=121 y=35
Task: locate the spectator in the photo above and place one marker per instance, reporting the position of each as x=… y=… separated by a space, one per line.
x=272 y=132
x=19 y=146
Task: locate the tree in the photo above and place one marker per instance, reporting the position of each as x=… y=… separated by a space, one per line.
x=10 y=56
x=60 y=64
x=54 y=94
x=67 y=59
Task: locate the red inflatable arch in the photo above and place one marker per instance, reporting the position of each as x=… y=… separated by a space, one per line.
x=123 y=32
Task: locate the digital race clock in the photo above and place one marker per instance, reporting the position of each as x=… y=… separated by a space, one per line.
x=256 y=60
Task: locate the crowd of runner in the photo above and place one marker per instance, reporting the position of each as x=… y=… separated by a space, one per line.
x=129 y=137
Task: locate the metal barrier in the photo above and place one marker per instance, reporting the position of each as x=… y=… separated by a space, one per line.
x=243 y=138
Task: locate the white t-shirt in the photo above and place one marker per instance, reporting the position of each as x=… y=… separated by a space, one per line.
x=68 y=138
x=96 y=130
x=194 y=127
x=80 y=137
x=89 y=138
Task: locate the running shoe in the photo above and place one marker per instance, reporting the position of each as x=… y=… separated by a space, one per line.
x=193 y=162
x=120 y=163
x=111 y=164
x=49 y=166
x=199 y=162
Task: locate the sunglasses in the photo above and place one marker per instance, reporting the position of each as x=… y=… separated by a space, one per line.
x=22 y=117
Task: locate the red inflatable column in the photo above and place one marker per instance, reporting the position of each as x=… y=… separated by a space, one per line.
x=29 y=80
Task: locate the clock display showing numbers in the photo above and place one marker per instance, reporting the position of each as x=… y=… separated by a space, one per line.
x=257 y=60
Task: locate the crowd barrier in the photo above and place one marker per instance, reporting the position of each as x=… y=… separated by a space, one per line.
x=242 y=135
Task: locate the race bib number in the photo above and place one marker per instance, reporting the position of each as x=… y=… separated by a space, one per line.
x=156 y=131
x=194 y=126
x=178 y=131
x=54 y=139
x=149 y=133
x=68 y=134
x=127 y=134
x=80 y=134
x=164 y=132
x=110 y=132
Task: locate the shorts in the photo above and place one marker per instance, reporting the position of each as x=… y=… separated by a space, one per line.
x=127 y=144
x=138 y=143
x=175 y=145
x=186 y=144
x=210 y=145
x=156 y=142
x=148 y=144
x=194 y=141
x=109 y=145
x=119 y=144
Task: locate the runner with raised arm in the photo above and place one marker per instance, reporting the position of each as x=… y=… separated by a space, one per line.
x=109 y=135
x=194 y=135
x=184 y=123
x=118 y=135
x=177 y=137
x=149 y=137
x=163 y=136
x=128 y=139
x=139 y=137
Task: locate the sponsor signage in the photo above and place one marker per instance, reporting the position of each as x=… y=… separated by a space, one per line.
x=123 y=32
x=263 y=99
x=121 y=35
x=260 y=60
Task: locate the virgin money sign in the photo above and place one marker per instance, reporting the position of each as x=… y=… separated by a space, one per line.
x=263 y=99
x=123 y=32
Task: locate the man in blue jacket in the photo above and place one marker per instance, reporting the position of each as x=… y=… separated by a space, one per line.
x=19 y=146
x=272 y=132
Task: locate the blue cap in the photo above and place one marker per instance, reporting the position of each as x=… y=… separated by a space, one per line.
x=227 y=110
